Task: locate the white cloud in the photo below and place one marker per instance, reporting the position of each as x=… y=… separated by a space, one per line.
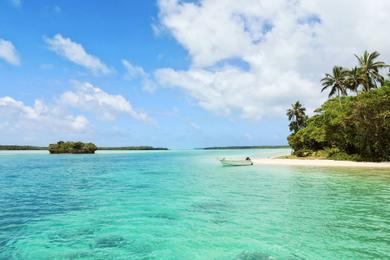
x=61 y=118
x=71 y=116
x=157 y=29
x=259 y=57
x=133 y=71
x=8 y=52
x=76 y=53
x=231 y=89
x=137 y=72
x=17 y=116
x=93 y=99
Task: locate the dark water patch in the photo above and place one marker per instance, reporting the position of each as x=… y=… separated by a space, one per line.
x=82 y=254
x=164 y=215
x=220 y=221
x=295 y=256
x=30 y=199
x=153 y=172
x=13 y=225
x=140 y=186
x=4 y=240
x=110 y=241
x=210 y=207
x=254 y=256
x=85 y=232
x=61 y=237
x=140 y=249
x=14 y=217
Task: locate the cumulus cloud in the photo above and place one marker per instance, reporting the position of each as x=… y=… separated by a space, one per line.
x=76 y=53
x=8 y=52
x=134 y=72
x=90 y=98
x=63 y=117
x=17 y=116
x=230 y=89
x=259 y=57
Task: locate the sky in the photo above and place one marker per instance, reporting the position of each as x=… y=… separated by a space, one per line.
x=177 y=74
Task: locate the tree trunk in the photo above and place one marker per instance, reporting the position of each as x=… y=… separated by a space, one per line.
x=339 y=98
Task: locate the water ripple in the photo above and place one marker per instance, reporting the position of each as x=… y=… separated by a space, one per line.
x=183 y=205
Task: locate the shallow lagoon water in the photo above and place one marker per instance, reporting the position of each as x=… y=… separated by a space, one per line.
x=184 y=205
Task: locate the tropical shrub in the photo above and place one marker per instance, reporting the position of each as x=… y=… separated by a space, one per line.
x=72 y=147
x=354 y=127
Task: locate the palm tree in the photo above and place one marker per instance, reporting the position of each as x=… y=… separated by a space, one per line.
x=370 y=70
x=296 y=114
x=354 y=79
x=337 y=81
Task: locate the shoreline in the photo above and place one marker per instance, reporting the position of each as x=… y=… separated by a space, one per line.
x=320 y=163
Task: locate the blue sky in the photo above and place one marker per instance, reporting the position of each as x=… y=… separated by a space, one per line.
x=194 y=77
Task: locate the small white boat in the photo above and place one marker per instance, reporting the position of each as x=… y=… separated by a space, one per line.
x=246 y=162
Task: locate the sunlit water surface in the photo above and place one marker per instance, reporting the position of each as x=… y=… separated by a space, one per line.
x=184 y=205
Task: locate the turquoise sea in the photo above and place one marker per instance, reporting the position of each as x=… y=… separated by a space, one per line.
x=184 y=205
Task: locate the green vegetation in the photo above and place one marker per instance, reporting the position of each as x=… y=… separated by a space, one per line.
x=347 y=127
x=363 y=77
x=55 y=147
x=296 y=115
x=72 y=147
x=20 y=147
x=246 y=147
x=133 y=148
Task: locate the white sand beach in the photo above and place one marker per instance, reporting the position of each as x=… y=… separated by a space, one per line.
x=321 y=163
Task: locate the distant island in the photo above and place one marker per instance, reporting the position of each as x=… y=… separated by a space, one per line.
x=20 y=148
x=65 y=146
x=72 y=147
x=134 y=148
x=245 y=147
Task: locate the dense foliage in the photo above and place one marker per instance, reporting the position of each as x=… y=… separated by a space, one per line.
x=72 y=147
x=359 y=129
x=349 y=127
